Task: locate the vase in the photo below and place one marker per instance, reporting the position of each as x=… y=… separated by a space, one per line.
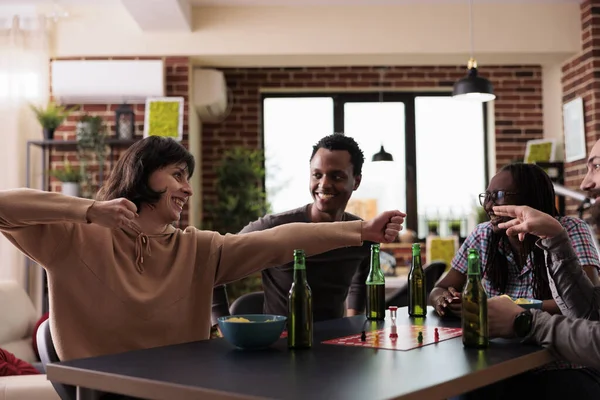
x=48 y=133
x=70 y=189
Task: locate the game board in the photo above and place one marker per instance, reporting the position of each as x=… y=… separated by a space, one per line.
x=406 y=340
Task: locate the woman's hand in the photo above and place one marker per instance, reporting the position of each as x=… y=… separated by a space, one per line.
x=112 y=213
x=384 y=228
x=449 y=301
x=528 y=220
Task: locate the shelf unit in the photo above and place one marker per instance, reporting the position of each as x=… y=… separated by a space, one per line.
x=47 y=146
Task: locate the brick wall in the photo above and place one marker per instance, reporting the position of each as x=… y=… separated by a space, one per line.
x=518 y=107
x=176 y=77
x=579 y=79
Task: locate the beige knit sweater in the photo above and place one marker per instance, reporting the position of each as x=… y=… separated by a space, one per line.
x=117 y=290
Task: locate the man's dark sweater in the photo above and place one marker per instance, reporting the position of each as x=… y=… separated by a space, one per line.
x=332 y=276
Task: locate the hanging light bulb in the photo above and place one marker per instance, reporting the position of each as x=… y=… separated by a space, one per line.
x=473 y=87
x=382 y=155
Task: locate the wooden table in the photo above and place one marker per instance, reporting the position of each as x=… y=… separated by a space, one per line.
x=215 y=370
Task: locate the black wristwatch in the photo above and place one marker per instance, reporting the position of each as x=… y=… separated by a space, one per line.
x=522 y=324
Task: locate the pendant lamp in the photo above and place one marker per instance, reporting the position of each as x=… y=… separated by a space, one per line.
x=382 y=155
x=473 y=87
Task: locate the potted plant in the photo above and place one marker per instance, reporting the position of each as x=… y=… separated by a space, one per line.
x=455 y=226
x=240 y=200
x=70 y=179
x=89 y=127
x=50 y=117
x=91 y=141
x=433 y=227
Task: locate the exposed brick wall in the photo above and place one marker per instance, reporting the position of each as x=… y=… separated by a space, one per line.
x=177 y=71
x=579 y=79
x=518 y=107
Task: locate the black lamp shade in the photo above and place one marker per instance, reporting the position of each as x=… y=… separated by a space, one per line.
x=382 y=156
x=473 y=87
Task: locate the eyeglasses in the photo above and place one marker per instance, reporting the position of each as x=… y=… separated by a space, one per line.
x=495 y=196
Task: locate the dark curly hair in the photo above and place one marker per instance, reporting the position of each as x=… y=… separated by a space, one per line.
x=536 y=191
x=339 y=141
x=129 y=178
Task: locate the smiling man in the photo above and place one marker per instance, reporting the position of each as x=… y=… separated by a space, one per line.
x=335 y=172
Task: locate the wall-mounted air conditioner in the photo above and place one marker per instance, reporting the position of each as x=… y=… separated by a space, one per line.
x=210 y=95
x=107 y=81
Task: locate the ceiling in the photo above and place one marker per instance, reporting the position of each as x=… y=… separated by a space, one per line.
x=284 y=2
x=354 y=2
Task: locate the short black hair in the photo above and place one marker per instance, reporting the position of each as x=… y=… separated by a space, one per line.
x=339 y=141
x=129 y=177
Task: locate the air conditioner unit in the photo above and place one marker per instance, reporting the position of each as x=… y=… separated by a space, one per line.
x=210 y=95
x=107 y=81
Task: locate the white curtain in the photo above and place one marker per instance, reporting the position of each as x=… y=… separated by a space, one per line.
x=24 y=79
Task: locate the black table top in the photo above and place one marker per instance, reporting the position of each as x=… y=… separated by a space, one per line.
x=216 y=369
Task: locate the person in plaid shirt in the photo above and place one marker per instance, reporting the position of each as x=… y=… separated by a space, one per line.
x=508 y=265
x=519 y=269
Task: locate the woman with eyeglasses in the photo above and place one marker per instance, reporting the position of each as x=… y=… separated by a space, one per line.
x=519 y=269
x=510 y=266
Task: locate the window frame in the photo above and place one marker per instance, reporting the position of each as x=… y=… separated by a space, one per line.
x=408 y=98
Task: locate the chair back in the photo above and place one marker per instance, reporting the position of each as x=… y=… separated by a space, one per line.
x=249 y=303
x=48 y=355
x=433 y=272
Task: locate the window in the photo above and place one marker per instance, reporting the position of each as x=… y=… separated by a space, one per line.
x=450 y=144
x=437 y=144
x=291 y=126
x=24 y=85
x=373 y=125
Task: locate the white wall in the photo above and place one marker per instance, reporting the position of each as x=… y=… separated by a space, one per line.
x=404 y=34
x=552 y=106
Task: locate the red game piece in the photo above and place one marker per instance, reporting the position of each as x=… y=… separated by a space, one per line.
x=405 y=340
x=436 y=335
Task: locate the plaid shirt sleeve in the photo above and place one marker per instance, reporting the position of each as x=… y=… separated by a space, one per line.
x=581 y=238
x=459 y=262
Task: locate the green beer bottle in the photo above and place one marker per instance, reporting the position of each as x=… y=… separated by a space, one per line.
x=417 y=296
x=300 y=319
x=474 y=306
x=375 y=287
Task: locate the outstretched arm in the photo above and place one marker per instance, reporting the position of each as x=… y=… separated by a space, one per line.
x=37 y=221
x=242 y=255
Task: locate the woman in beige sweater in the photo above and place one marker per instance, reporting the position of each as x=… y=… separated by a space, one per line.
x=121 y=277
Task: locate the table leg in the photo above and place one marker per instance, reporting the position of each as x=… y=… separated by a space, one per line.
x=92 y=394
x=88 y=394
